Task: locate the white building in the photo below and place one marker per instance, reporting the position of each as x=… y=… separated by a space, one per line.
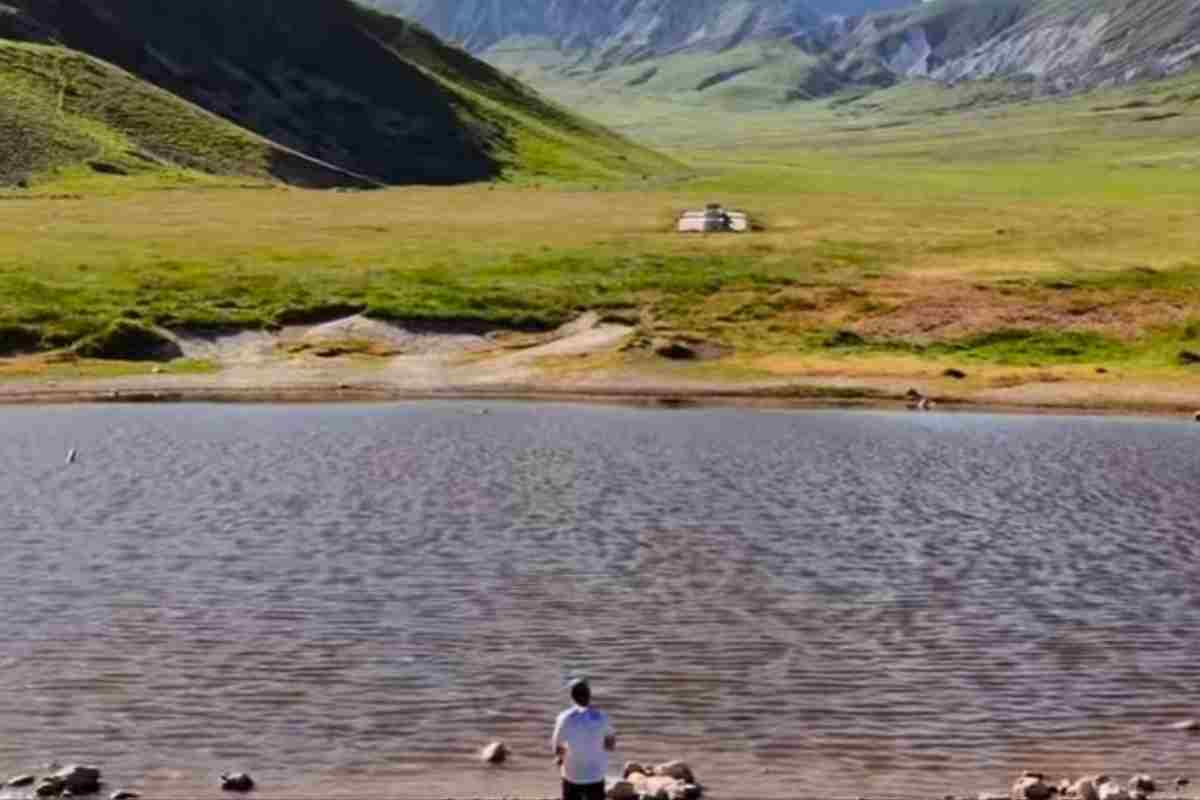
x=713 y=219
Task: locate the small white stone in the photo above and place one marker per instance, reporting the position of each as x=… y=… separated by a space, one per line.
x=494 y=753
x=1111 y=790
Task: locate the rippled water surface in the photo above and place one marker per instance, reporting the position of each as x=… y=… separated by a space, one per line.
x=352 y=599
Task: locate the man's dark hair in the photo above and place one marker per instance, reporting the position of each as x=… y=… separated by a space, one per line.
x=581 y=693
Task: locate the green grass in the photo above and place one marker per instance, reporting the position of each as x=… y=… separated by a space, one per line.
x=963 y=225
x=65 y=116
x=1029 y=348
x=25 y=369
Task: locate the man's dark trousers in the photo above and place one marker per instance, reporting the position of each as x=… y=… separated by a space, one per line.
x=583 y=791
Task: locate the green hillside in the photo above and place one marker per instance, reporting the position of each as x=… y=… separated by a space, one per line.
x=63 y=112
x=754 y=75
x=317 y=92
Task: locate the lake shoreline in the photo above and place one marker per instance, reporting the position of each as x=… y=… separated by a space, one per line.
x=875 y=395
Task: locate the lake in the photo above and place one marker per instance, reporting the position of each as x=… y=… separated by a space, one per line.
x=350 y=600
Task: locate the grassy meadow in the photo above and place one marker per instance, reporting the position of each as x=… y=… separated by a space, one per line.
x=903 y=230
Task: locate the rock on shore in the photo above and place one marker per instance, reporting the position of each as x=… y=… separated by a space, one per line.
x=72 y=780
x=1033 y=786
x=494 y=753
x=237 y=782
x=673 y=780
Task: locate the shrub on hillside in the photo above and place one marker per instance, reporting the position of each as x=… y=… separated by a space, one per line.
x=18 y=339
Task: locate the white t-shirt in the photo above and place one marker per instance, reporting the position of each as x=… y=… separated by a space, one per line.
x=582 y=732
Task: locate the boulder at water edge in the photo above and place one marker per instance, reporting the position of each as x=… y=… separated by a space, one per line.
x=1186 y=725
x=74 y=779
x=1084 y=789
x=80 y=779
x=663 y=787
x=1142 y=784
x=20 y=781
x=124 y=794
x=1111 y=790
x=237 y=782
x=620 y=790
x=679 y=770
x=631 y=767
x=49 y=787
x=494 y=753
x=1031 y=786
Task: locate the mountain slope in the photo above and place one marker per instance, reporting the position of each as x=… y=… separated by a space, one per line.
x=368 y=93
x=60 y=108
x=1059 y=44
x=773 y=51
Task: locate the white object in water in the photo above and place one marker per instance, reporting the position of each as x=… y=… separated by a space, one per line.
x=71 y=455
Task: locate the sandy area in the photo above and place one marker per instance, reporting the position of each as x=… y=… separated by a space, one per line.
x=363 y=359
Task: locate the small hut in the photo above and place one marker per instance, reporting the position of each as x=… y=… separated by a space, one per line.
x=713 y=219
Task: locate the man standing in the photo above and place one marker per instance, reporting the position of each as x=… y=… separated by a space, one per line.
x=582 y=741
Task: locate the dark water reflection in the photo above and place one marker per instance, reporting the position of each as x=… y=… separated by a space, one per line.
x=350 y=600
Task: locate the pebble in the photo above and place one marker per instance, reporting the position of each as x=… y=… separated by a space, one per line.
x=1187 y=724
x=124 y=795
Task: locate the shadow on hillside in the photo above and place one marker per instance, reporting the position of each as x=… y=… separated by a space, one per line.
x=308 y=75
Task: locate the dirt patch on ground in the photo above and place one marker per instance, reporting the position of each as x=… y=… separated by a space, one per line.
x=229 y=347
x=417 y=354
x=409 y=339
x=946 y=312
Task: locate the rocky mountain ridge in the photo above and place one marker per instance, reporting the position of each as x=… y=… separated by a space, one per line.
x=620 y=31
x=1058 y=45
